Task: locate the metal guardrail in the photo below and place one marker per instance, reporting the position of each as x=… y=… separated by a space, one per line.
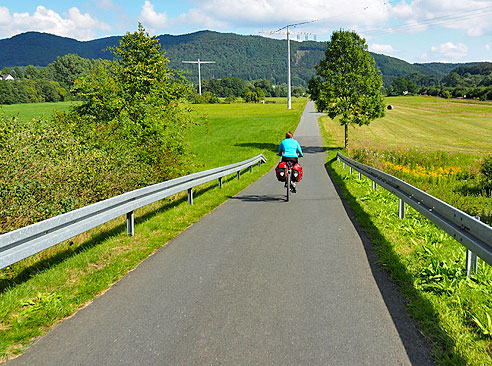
x=24 y=242
x=467 y=230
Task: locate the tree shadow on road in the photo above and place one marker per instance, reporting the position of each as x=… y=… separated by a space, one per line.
x=417 y=348
x=258 y=198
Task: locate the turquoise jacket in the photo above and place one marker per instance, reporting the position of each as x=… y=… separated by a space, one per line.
x=290 y=148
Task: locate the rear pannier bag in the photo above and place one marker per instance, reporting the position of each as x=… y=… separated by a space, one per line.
x=296 y=173
x=281 y=171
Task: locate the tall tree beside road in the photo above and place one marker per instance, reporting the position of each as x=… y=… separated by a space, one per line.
x=139 y=100
x=349 y=82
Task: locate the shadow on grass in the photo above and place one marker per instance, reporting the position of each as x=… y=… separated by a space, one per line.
x=418 y=350
x=260 y=145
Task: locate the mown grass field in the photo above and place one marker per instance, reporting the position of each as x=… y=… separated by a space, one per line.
x=425 y=123
x=42 y=290
x=436 y=145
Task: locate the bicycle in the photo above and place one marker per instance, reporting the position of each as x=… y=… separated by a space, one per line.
x=288 y=181
x=289 y=174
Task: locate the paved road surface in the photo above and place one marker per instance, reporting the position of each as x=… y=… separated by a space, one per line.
x=259 y=281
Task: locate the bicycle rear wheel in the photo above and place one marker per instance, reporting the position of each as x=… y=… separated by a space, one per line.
x=288 y=184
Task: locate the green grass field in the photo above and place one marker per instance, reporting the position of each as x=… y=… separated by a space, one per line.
x=27 y=111
x=241 y=130
x=42 y=290
x=424 y=123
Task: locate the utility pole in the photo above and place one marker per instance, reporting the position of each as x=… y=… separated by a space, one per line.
x=289 y=98
x=199 y=76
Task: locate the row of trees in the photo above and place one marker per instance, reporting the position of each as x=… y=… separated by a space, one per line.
x=31 y=91
x=55 y=83
x=52 y=83
x=239 y=88
x=463 y=82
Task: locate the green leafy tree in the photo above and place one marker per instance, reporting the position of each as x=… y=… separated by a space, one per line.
x=400 y=86
x=18 y=72
x=260 y=93
x=31 y=72
x=350 y=82
x=66 y=69
x=141 y=100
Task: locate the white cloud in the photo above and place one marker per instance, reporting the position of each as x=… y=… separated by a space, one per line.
x=382 y=48
x=74 y=24
x=450 y=51
x=470 y=16
x=149 y=17
x=487 y=47
x=104 y=4
x=272 y=14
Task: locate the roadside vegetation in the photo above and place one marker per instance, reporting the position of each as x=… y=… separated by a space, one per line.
x=133 y=126
x=439 y=146
x=42 y=290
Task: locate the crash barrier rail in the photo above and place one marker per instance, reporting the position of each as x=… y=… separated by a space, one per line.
x=467 y=230
x=24 y=242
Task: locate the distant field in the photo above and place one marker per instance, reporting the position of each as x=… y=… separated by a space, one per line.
x=28 y=111
x=238 y=131
x=424 y=123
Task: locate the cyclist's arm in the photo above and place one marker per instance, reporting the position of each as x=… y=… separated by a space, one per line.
x=280 y=149
x=299 y=150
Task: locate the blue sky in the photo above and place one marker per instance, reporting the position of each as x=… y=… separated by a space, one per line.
x=412 y=30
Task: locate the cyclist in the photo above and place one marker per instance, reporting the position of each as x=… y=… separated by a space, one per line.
x=290 y=150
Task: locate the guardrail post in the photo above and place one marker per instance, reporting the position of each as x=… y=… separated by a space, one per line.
x=238 y=174
x=220 y=182
x=130 y=223
x=343 y=165
x=360 y=176
x=251 y=168
x=401 y=209
x=374 y=185
x=350 y=170
x=190 y=196
x=471 y=260
x=338 y=158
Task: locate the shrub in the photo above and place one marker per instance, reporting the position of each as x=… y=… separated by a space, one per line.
x=486 y=175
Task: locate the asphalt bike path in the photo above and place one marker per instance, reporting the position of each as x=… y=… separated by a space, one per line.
x=258 y=281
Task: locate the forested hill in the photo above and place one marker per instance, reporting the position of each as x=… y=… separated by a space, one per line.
x=246 y=57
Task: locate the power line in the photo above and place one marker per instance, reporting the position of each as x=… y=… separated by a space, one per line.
x=289 y=99
x=441 y=20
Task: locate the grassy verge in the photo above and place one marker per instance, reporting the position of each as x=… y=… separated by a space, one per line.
x=40 y=291
x=429 y=266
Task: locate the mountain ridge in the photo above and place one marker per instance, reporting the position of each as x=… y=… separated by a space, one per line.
x=248 y=57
